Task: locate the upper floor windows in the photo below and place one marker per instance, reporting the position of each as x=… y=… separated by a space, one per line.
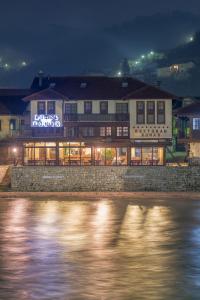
x=122 y=132
x=70 y=108
x=88 y=131
x=161 y=112
x=103 y=107
x=196 y=123
x=41 y=108
x=51 y=108
x=88 y=107
x=121 y=108
x=105 y=131
x=140 y=111
x=150 y=112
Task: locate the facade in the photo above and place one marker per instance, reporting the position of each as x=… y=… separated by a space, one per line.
x=103 y=121
x=188 y=120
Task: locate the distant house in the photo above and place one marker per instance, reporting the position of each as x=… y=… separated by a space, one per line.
x=11 y=119
x=179 y=69
x=189 y=130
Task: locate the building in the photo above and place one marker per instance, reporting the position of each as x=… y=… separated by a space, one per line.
x=179 y=70
x=188 y=123
x=11 y=120
x=73 y=121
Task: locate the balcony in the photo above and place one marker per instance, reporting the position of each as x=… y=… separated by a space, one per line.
x=96 y=117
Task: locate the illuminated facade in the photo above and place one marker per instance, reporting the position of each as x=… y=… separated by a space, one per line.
x=75 y=121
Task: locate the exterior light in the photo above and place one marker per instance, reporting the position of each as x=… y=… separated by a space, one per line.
x=14 y=150
x=152 y=53
x=142 y=56
x=137 y=62
x=98 y=149
x=6 y=66
x=191 y=39
x=119 y=73
x=24 y=64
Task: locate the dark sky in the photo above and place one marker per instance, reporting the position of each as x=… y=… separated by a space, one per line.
x=73 y=36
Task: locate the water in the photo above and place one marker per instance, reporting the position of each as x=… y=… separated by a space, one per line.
x=63 y=250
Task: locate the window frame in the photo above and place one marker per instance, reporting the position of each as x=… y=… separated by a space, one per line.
x=51 y=111
x=140 y=112
x=161 y=112
x=85 y=107
x=105 y=110
x=40 y=112
x=150 y=112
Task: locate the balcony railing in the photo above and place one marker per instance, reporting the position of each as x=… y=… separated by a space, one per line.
x=97 y=117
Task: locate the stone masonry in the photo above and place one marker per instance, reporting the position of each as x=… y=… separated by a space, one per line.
x=91 y=178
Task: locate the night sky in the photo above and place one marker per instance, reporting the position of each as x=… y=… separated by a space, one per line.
x=78 y=37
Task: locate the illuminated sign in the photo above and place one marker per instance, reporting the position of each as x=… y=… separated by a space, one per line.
x=46 y=121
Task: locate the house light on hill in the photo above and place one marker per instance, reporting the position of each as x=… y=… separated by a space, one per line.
x=119 y=73
x=24 y=64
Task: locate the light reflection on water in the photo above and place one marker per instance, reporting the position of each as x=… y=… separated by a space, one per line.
x=99 y=249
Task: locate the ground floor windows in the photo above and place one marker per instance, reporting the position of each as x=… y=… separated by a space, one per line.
x=78 y=154
x=147 y=156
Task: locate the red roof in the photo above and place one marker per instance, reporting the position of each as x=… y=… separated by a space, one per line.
x=101 y=87
x=47 y=94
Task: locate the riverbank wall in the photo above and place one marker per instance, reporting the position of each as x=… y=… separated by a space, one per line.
x=105 y=179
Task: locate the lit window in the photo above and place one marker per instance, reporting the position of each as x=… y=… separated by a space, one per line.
x=41 y=108
x=105 y=131
x=196 y=124
x=122 y=131
x=12 y=124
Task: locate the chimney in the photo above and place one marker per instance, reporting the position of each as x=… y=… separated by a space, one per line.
x=40 y=77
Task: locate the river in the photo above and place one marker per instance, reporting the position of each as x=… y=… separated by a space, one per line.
x=101 y=250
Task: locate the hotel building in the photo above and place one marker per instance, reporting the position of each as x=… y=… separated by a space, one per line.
x=73 y=121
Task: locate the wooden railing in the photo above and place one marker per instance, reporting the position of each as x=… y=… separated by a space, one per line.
x=96 y=117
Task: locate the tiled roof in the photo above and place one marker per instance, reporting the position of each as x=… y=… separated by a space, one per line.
x=47 y=94
x=192 y=109
x=11 y=101
x=4 y=110
x=101 y=87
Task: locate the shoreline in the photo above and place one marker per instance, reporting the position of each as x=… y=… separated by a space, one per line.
x=105 y=195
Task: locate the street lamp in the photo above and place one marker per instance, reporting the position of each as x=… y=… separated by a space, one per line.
x=14 y=150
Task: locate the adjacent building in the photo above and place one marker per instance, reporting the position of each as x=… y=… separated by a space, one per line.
x=188 y=124
x=73 y=121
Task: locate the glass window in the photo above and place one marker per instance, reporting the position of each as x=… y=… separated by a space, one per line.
x=41 y=108
x=72 y=132
x=136 y=156
x=50 y=156
x=40 y=156
x=140 y=107
x=147 y=156
x=150 y=112
x=64 y=156
x=86 y=156
x=121 y=156
x=70 y=108
x=161 y=112
x=88 y=131
x=111 y=158
x=121 y=108
x=105 y=131
x=75 y=156
x=122 y=132
x=29 y=156
x=51 y=107
x=12 y=124
x=196 y=123
x=104 y=107
x=99 y=156
x=0 y=125
x=88 y=107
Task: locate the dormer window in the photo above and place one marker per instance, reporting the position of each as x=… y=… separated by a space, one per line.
x=52 y=85
x=124 y=84
x=83 y=85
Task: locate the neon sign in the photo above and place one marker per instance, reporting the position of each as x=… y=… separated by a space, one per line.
x=46 y=121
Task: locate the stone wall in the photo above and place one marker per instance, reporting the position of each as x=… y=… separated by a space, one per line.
x=105 y=178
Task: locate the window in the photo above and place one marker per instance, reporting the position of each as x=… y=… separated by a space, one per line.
x=105 y=131
x=0 y=125
x=161 y=112
x=41 y=108
x=196 y=123
x=140 y=106
x=122 y=131
x=72 y=132
x=70 y=108
x=150 y=112
x=104 y=107
x=121 y=108
x=83 y=85
x=88 y=107
x=12 y=124
x=88 y=131
x=51 y=108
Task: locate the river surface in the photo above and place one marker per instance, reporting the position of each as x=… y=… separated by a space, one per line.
x=101 y=250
